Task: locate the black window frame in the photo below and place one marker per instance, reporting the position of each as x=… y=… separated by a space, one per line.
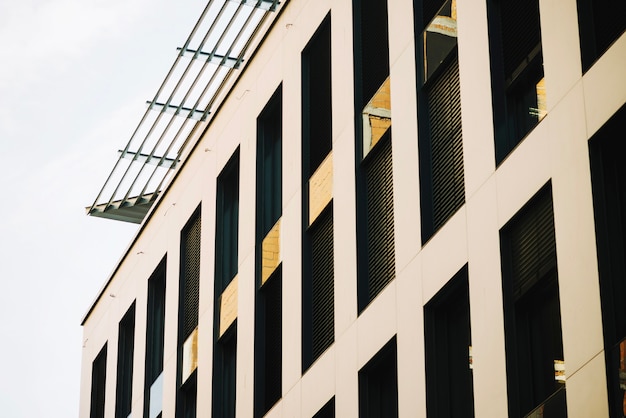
x=225 y=374
x=269 y=165
x=125 y=355
x=447 y=341
x=608 y=179
x=188 y=309
x=378 y=384
x=317 y=238
x=98 y=384
x=532 y=318
x=516 y=68
x=226 y=268
x=227 y=224
x=317 y=108
x=374 y=173
x=155 y=331
x=442 y=181
x=601 y=23
x=268 y=345
x=268 y=299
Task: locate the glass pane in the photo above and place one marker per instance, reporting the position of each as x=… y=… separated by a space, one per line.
x=439 y=39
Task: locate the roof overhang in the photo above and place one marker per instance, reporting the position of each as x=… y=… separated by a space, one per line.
x=205 y=68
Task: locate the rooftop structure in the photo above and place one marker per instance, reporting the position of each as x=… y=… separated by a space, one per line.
x=205 y=68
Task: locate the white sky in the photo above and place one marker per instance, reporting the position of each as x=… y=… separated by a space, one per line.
x=74 y=77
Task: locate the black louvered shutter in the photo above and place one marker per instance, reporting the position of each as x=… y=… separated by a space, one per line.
x=322 y=272
x=521 y=32
x=380 y=223
x=191 y=275
x=273 y=338
x=532 y=244
x=444 y=116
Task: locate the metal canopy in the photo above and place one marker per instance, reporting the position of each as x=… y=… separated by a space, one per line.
x=204 y=70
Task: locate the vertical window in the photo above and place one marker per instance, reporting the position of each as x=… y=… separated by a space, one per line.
x=226 y=243
x=378 y=384
x=155 y=338
x=188 y=398
x=269 y=345
x=317 y=99
x=608 y=174
x=125 y=352
x=374 y=180
x=224 y=375
x=269 y=165
x=327 y=411
x=98 y=384
x=317 y=246
x=268 y=316
x=518 y=91
x=189 y=298
x=227 y=224
x=532 y=315
x=442 y=188
x=449 y=386
x=601 y=22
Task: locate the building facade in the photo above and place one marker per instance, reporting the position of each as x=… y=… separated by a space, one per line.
x=410 y=208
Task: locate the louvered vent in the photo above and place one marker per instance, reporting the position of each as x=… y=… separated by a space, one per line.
x=273 y=338
x=444 y=114
x=191 y=275
x=521 y=32
x=380 y=224
x=532 y=244
x=322 y=272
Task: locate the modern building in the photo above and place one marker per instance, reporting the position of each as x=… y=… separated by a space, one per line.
x=300 y=255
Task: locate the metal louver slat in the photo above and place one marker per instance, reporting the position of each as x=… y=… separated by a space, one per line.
x=380 y=220
x=533 y=246
x=322 y=266
x=446 y=140
x=191 y=275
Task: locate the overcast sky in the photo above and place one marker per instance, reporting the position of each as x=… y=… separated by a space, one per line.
x=74 y=77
